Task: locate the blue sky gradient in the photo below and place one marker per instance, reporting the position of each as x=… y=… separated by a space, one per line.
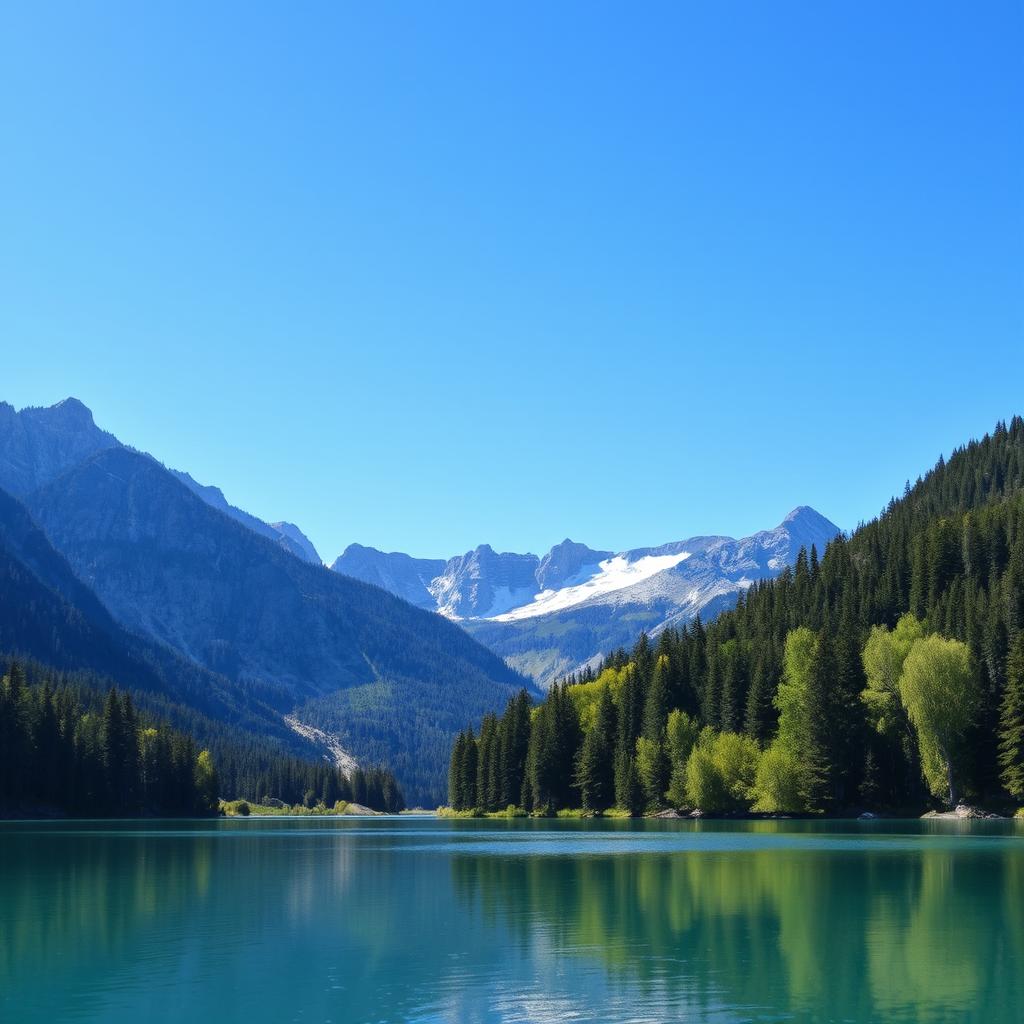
x=427 y=275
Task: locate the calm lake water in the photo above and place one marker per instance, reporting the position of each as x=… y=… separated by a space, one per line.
x=413 y=919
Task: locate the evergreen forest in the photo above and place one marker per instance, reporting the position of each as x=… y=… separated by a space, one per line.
x=67 y=748
x=885 y=675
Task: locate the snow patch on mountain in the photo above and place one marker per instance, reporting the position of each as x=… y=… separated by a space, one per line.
x=612 y=574
x=505 y=598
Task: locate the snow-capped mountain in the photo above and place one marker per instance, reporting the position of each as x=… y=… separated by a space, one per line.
x=551 y=615
x=483 y=584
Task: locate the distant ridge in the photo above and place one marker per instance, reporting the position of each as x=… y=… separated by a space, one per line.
x=549 y=616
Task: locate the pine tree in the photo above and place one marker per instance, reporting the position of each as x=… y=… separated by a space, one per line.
x=13 y=752
x=467 y=798
x=516 y=742
x=115 y=751
x=656 y=704
x=628 y=795
x=47 y=744
x=455 y=773
x=592 y=775
x=1011 y=722
x=606 y=720
x=759 y=718
x=541 y=759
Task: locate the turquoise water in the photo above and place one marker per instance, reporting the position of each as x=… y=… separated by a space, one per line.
x=413 y=919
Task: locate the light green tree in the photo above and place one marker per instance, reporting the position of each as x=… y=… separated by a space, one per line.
x=206 y=780
x=779 y=784
x=681 y=734
x=792 y=698
x=883 y=657
x=720 y=771
x=704 y=786
x=939 y=689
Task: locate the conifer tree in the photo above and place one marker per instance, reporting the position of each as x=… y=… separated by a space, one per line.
x=759 y=717
x=656 y=704
x=1011 y=722
x=592 y=775
x=516 y=741
x=628 y=794
x=468 y=792
x=606 y=722
x=487 y=766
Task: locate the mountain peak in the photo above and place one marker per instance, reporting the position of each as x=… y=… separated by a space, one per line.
x=74 y=410
x=564 y=561
x=38 y=444
x=805 y=517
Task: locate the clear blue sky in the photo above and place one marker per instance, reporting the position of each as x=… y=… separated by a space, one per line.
x=427 y=275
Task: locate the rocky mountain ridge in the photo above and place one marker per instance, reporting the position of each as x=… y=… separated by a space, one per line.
x=551 y=615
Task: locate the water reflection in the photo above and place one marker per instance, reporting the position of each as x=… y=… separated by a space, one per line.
x=869 y=933
x=519 y=921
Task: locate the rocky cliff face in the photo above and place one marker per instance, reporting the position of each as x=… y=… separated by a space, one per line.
x=482 y=583
x=37 y=445
x=567 y=561
x=400 y=574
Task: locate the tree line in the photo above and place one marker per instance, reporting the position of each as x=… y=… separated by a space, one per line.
x=887 y=674
x=70 y=749
x=57 y=755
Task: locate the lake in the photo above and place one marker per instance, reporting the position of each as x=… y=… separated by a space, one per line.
x=420 y=919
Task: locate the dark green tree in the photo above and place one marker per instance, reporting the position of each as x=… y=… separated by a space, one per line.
x=1011 y=722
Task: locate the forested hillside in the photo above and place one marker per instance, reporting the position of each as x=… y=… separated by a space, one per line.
x=386 y=678
x=67 y=746
x=884 y=674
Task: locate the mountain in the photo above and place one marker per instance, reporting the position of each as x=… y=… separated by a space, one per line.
x=48 y=614
x=550 y=616
x=287 y=535
x=37 y=445
x=408 y=577
x=302 y=545
x=482 y=583
x=565 y=562
x=242 y=629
